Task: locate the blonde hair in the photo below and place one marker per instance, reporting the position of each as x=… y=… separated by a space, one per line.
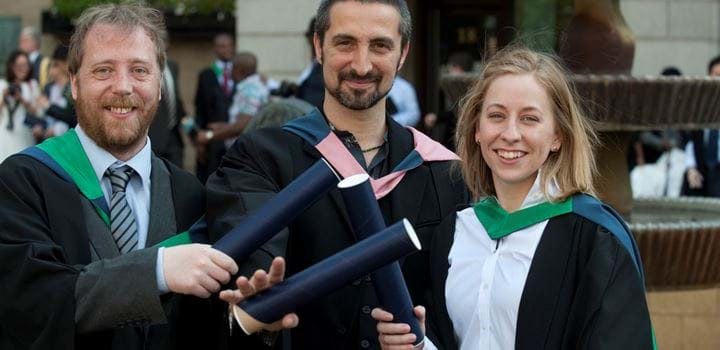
x=572 y=166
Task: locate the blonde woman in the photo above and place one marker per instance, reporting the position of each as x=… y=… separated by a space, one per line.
x=537 y=262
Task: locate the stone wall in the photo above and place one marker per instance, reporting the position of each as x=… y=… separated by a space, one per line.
x=683 y=33
x=688 y=320
x=275 y=31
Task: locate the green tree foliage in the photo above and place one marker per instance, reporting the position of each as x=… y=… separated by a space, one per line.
x=73 y=8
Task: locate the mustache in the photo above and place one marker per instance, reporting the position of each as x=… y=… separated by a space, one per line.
x=371 y=77
x=127 y=101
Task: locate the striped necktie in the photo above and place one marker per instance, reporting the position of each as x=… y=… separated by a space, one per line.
x=122 y=219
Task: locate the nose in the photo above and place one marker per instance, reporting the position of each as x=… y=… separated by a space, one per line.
x=511 y=132
x=361 y=61
x=122 y=84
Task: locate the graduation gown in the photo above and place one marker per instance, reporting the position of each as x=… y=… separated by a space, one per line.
x=583 y=291
x=50 y=233
x=261 y=163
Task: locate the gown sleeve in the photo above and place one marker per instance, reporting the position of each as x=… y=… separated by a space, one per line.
x=617 y=315
x=37 y=286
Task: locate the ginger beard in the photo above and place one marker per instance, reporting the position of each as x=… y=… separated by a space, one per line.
x=114 y=134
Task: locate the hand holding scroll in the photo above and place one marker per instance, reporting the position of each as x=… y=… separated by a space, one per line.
x=260 y=281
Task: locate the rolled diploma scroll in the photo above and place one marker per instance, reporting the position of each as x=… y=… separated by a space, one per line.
x=278 y=212
x=366 y=219
x=326 y=276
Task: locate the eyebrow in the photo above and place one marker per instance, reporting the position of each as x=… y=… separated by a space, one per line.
x=380 y=40
x=341 y=37
x=387 y=41
x=524 y=109
x=112 y=61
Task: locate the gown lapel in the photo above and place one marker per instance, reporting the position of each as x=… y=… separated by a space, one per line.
x=406 y=198
x=162 y=214
x=544 y=284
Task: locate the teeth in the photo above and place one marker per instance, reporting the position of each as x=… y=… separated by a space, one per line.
x=120 y=110
x=510 y=155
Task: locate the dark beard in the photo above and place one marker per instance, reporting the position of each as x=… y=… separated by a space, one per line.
x=356 y=102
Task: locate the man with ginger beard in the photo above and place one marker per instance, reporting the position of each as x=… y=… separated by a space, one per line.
x=361 y=45
x=84 y=214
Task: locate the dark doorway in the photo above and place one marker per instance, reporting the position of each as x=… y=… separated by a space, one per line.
x=448 y=26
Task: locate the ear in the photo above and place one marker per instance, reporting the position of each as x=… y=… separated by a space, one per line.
x=403 y=55
x=476 y=134
x=556 y=144
x=317 y=45
x=73 y=86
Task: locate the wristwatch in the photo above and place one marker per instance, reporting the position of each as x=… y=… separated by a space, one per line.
x=209 y=135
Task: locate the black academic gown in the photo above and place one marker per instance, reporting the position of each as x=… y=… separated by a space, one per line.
x=263 y=162
x=44 y=244
x=583 y=291
x=211 y=105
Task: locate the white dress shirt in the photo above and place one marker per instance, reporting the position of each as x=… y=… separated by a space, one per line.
x=486 y=279
x=137 y=192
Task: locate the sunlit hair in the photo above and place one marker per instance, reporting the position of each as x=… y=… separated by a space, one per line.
x=572 y=167
x=128 y=17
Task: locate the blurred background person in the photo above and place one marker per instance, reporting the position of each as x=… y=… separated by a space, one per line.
x=29 y=43
x=441 y=126
x=311 y=87
x=19 y=98
x=166 y=139
x=250 y=95
x=656 y=161
x=702 y=177
x=652 y=144
x=212 y=102
x=56 y=99
x=403 y=103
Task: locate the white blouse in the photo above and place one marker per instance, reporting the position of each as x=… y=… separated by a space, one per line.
x=486 y=279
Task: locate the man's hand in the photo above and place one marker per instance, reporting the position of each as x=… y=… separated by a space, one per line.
x=397 y=336
x=43 y=102
x=260 y=281
x=217 y=127
x=695 y=179
x=197 y=269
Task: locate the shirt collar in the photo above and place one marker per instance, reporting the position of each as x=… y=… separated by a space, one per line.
x=223 y=64
x=536 y=196
x=101 y=159
x=33 y=55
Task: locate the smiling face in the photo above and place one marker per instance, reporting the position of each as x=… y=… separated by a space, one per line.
x=361 y=53
x=21 y=68
x=117 y=87
x=516 y=130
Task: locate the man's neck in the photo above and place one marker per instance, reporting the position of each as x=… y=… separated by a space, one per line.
x=368 y=125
